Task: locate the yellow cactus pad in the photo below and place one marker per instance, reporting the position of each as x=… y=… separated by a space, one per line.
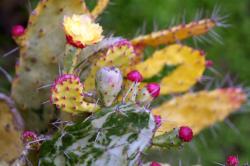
x=99 y=8
x=120 y=55
x=10 y=131
x=176 y=33
x=191 y=65
x=67 y=94
x=199 y=110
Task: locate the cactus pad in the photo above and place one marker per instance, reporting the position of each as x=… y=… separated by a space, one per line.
x=11 y=127
x=199 y=110
x=40 y=50
x=120 y=55
x=174 y=34
x=190 y=67
x=112 y=136
x=99 y=8
x=67 y=94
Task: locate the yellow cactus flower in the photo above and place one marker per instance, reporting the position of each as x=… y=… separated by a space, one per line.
x=81 y=30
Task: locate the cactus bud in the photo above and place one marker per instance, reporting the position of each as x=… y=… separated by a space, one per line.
x=232 y=161
x=148 y=93
x=109 y=84
x=209 y=63
x=134 y=76
x=185 y=134
x=155 y=164
x=17 y=30
x=29 y=136
x=153 y=89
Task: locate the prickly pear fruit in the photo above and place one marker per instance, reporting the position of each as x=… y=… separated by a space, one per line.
x=11 y=126
x=112 y=136
x=108 y=84
x=67 y=94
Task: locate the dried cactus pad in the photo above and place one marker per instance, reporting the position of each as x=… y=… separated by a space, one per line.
x=199 y=110
x=113 y=136
x=41 y=48
x=10 y=130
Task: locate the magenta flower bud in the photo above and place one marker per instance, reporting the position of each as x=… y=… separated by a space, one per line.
x=157 y=120
x=232 y=161
x=209 y=63
x=29 y=136
x=153 y=89
x=185 y=134
x=134 y=76
x=155 y=164
x=17 y=30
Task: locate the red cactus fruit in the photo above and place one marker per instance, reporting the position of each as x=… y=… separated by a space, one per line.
x=155 y=164
x=17 y=30
x=232 y=161
x=153 y=89
x=209 y=63
x=185 y=134
x=134 y=76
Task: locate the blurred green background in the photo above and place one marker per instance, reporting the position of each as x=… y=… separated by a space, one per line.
x=128 y=17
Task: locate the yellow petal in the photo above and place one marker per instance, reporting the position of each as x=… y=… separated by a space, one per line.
x=199 y=110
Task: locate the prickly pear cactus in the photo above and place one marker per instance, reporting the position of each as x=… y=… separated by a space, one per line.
x=64 y=50
x=113 y=136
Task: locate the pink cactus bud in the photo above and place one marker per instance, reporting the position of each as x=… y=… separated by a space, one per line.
x=157 y=120
x=134 y=76
x=153 y=89
x=17 y=30
x=185 y=134
x=232 y=161
x=29 y=136
x=209 y=63
x=155 y=164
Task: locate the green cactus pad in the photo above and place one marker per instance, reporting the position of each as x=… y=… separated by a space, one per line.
x=112 y=136
x=40 y=50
